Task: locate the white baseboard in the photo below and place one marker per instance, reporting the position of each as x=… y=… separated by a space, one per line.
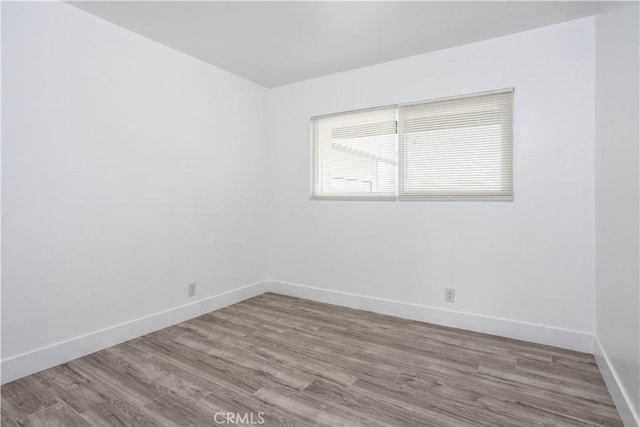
x=618 y=394
x=31 y=362
x=564 y=338
x=46 y=357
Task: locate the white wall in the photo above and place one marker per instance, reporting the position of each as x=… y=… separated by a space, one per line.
x=617 y=194
x=128 y=171
x=531 y=260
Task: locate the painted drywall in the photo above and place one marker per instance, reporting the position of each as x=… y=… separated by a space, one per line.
x=128 y=171
x=617 y=193
x=530 y=260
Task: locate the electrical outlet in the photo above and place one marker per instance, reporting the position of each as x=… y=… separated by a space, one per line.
x=191 y=291
x=449 y=295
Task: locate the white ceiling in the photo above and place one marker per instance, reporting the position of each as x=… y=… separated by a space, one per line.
x=275 y=43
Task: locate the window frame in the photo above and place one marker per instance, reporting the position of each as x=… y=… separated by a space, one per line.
x=401 y=159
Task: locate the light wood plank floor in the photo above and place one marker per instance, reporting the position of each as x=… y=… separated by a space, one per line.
x=293 y=362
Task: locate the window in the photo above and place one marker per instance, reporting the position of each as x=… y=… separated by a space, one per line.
x=458 y=148
x=357 y=154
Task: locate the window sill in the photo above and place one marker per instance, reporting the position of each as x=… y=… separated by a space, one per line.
x=423 y=198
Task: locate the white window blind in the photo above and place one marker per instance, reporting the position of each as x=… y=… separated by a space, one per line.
x=458 y=148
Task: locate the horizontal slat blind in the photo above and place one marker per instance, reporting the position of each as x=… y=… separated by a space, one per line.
x=356 y=154
x=458 y=148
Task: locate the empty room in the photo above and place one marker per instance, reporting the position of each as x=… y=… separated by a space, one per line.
x=309 y=213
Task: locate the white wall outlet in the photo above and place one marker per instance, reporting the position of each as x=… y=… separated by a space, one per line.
x=449 y=295
x=191 y=291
